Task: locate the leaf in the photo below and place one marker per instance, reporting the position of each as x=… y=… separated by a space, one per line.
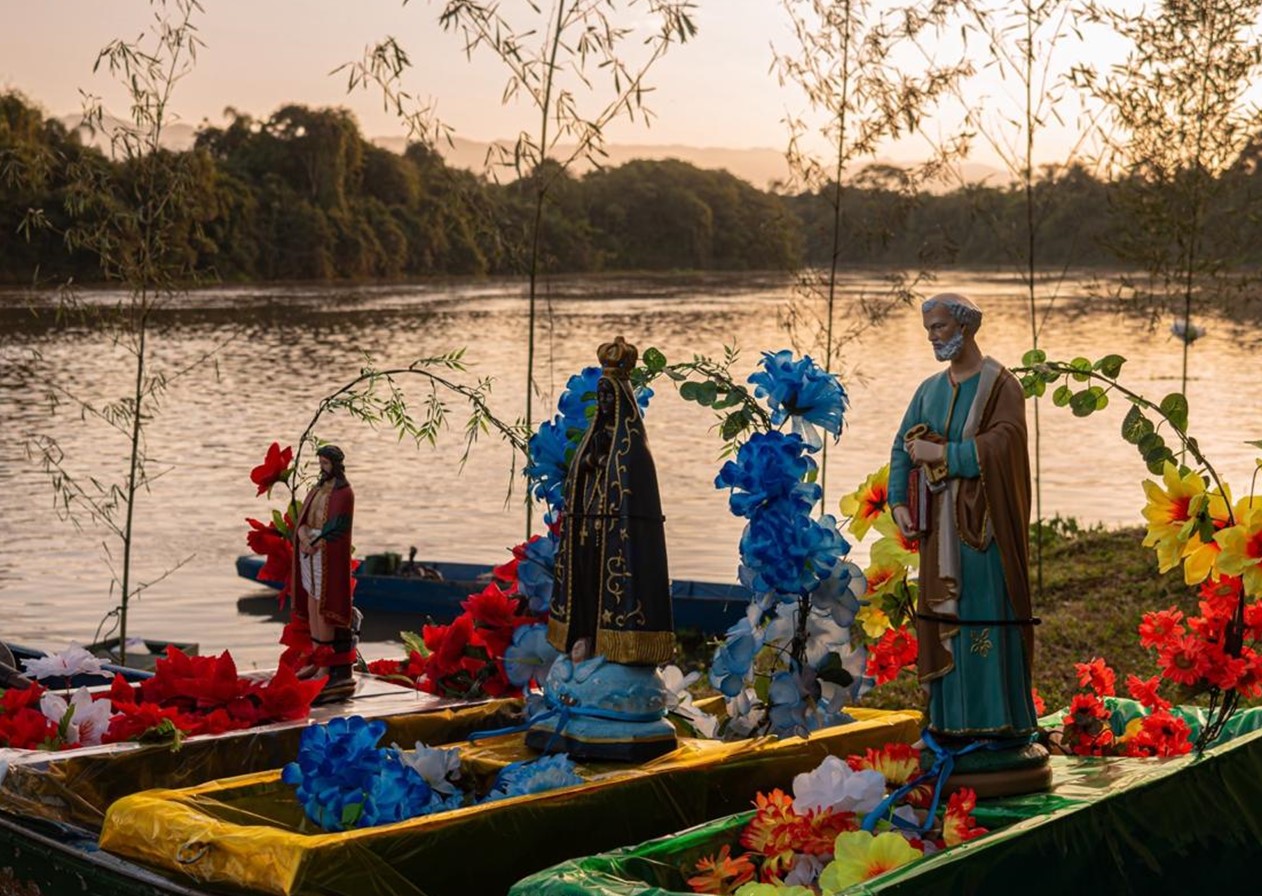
x=1083 y=403
x=414 y=643
x=1032 y=357
x=1256 y=443
x=707 y=393
x=1110 y=365
x=1082 y=369
x=733 y=425
x=1135 y=425
x=833 y=670
x=1101 y=398
x=1038 y=387
x=1061 y=396
x=1175 y=408
x=1149 y=441
x=654 y=360
x=689 y=391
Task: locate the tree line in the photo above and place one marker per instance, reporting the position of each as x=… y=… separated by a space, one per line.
x=302 y=195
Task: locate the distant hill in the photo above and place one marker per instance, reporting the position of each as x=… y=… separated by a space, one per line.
x=763 y=167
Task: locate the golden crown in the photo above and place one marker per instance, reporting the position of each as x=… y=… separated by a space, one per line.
x=617 y=357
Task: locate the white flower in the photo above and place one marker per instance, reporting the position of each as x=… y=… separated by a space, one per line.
x=834 y=785
x=89 y=719
x=745 y=713
x=823 y=634
x=677 y=684
x=74 y=660
x=806 y=870
x=440 y=768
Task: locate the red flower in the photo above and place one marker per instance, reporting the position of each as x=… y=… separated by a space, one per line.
x=274 y=469
x=141 y=721
x=958 y=824
x=1097 y=676
x=895 y=649
x=1161 y=734
x=27 y=729
x=1221 y=669
x=1253 y=621
x=494 y=613
x=1040 y=708
x=121 y=692
x=1145 y=691
x=1250 y=683
x=286 y=696
x=1159 y=627
x=1182 y=660
x=1086 y=729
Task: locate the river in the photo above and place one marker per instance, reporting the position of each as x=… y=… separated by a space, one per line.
x=287 y=346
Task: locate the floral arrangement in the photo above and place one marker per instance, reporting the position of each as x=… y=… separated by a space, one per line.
x=187 y=695
x=845 y=822
x=789 y=666
x=344 y=780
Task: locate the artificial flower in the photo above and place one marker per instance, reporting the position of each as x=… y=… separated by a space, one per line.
x=897 y=763
x=836 y=787
x=1168 y=511
x=722 y=873
x=1096 y=675
x=85 y=721
x=861 y=856
x=958 y=824
x=866 y=504
x=1039 y=706
x=548 y=452
x=534 y=776
x=536 y=570
x=800 y=391
x=895 y=650
x=735 y=657
x=769 y=471
x=1241 y=546
x=1200 y=557
x=893 y=549
x=1145 y=691
x=1159 y=627
x=72 y=661
x=755 y=888
x=274 y=469
x=530 y=656
x=1161 y=734
x=1182 y=660
x=439 y=768
x=874 y=621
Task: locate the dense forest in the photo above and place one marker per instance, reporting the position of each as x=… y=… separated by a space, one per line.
x=302 y=195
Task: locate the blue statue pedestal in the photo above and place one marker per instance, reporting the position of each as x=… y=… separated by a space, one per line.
x=603 y=711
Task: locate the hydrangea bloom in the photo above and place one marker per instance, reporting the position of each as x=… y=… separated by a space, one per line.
x=768 y=472
x=802 y=391
x=530 y=656
x=534 y=776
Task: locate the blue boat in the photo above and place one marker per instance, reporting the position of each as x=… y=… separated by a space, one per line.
x=709 y=608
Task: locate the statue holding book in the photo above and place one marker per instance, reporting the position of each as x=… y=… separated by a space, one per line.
x=960 y=483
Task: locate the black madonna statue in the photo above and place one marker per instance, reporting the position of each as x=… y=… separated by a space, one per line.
x=611 y=607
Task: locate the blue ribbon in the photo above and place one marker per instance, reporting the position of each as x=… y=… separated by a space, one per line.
x=943 y=765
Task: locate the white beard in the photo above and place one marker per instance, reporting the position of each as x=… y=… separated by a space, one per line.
x=949 y=350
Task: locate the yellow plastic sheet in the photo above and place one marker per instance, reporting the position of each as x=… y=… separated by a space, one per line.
x=248 y=832
x=77 y=786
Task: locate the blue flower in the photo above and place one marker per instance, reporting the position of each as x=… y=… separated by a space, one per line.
x=529 y=656
x=548 y=450
x=839 y=594
x=577 y=400
x=768 y=471
x=788 y=695
x=533 y=776
x=395 y=793
x=336 y=764
x=803 y=391
x=735 y=657
x=536 y=573
x=791 y=552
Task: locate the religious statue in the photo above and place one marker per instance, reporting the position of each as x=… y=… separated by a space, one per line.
x=962 y=447
x=611 y=607
x=322 y=574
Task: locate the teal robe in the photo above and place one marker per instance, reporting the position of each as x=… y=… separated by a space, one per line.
x=985 y=690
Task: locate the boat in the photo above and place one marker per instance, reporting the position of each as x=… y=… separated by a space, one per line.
x=437 y=589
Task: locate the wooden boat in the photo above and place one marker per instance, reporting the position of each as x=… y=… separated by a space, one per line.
x=709 y=608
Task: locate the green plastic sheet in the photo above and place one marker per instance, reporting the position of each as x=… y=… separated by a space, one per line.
x=1117 y=826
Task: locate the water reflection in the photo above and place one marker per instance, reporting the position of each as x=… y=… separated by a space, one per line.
x=293 y=345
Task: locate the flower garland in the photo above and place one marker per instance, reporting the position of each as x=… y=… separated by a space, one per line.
x=811 y=840
x=344 y=780
x=187 y=695
x=806 y=594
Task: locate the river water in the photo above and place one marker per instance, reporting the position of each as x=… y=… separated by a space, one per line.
x=290 y=345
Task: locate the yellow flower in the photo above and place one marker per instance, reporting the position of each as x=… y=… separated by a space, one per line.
x=756 y=889
x=867 y=502
x=1241 y=546
x=861 y=856
x=1200 y=558
x=893 y=549
x=874 y=621
x=1169 y=511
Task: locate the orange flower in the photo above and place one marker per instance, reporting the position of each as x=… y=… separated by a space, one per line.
x=774 y=830
x=958 y=824
x=1039 y=706
x=1183 y=660
x=898 y=763
x=1160 y=627
x=892 y=549
x=1145 y=691
x=722 y=874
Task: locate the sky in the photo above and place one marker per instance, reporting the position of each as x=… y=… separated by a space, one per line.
x=715 y=91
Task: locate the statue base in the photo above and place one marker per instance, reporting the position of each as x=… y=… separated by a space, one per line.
x=1008 y=772
x=603 y=711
